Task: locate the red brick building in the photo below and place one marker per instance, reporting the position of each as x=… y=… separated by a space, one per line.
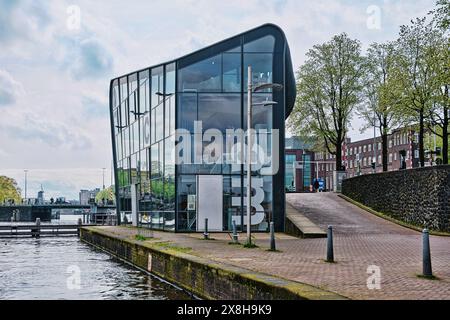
x=358 y=156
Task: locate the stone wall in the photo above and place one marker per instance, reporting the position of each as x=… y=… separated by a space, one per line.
x=417 y=196
x=202 y=277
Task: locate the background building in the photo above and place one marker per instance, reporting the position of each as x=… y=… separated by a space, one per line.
x=209 y=85
x=300 y=169
x=358 y=156
x=87 y=195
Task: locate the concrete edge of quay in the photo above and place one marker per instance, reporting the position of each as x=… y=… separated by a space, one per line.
x=202 y=277
x=390 y=219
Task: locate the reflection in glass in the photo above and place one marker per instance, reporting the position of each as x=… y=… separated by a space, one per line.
x=262 y=68
x=231 y=72
x=264 y=44
x=203 y=76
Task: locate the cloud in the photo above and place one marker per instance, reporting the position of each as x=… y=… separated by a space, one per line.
x=23 y=19
x=30 y=128
x=10 y=89
x=90 y=60
x=95 y=107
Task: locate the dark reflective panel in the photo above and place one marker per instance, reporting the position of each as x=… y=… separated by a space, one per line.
x=186 y=203
x=232 y=72
x=264 y=44
x=203 y=76
x=144 y=92
x=187 y=111
x=219 y=111
x=157 y=86
x=262 y=68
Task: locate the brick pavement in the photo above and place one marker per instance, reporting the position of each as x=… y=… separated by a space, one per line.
x=361 y=239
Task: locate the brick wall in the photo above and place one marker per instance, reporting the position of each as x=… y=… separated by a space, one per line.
x=418 y=196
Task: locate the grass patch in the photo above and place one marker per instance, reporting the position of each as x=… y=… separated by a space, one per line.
x=276 y=250
x=171 y=246
x=140 y=237
x=250 y=245
x=231 y=243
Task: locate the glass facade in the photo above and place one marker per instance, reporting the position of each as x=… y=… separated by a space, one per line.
x=163 y=117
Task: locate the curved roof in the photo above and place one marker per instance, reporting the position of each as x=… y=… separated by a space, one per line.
x=253 y=34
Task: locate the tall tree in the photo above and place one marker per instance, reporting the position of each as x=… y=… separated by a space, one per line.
x=9 y=190
x=381 y=94
x=439 y=114
x=329 y=88
x=414 y=73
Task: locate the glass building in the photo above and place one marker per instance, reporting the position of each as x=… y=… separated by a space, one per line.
x=156 y=110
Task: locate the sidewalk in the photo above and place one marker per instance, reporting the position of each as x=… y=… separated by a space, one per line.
x=397 y=255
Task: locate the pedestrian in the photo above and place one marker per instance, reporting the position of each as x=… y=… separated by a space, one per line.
x=316 y=185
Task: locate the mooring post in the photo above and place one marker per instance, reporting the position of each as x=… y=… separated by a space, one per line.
x=235 y=234
x=80 y=223
x=330 y=253
x=205 y=234
x=38 y=228
x=272 y=237
x=427 y=271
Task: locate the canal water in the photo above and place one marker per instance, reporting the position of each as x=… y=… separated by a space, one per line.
x=66 y=268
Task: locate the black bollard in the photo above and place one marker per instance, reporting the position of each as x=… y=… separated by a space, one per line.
x=427 y=271
x=330 y=253
x=38 y=227
x=80 y=223
x=205 y=234
x=272 y=237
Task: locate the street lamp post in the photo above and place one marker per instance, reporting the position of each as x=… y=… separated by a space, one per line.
x=103 y=170
x=26 y=173
x=250 y=90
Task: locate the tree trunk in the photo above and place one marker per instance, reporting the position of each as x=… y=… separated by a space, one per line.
x=339 y=157
x=421 y=139
x=384 y=138
x=445 y=136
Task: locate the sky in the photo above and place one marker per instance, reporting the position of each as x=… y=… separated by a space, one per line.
x=57 y=58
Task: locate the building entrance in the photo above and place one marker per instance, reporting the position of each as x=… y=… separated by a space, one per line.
x=210 y=202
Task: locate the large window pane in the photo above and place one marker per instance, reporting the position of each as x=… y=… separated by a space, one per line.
x=170 y=79
x=219 y=111
x=187 y=111
x=159 y=122
x=157 y=86
x=264 y=44
x=231 y=72
x=203 y=76
x=144 y=94
x=262 y=68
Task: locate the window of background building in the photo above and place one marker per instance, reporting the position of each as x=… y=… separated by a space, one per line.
x=390 y=157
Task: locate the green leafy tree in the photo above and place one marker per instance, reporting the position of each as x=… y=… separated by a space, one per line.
x=107 y=194
x=329 y=88
x=415 y=59
x=9 y=190
x=381 y=94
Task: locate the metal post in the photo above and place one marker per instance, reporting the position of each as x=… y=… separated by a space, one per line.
x=235 y=234
x=26 y=172
x=249 y=153
x=272 y=237
x=427 y=271
x=205 y=234
x=80 y=223
x=38 y=227
x=330 y=253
